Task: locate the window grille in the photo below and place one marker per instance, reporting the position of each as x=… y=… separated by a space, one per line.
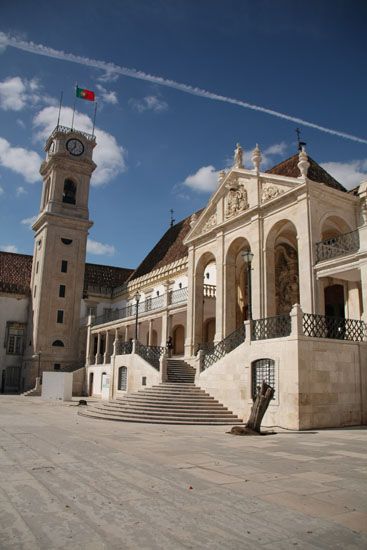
x=262 y=369
x=122 y=379
x=15 y=337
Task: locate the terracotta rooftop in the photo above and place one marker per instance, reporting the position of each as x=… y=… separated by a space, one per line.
x=15 y=273
x=16 y=269
x=315 y=172
x=169 y=248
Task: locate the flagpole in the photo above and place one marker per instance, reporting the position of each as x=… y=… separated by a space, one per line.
x=72 y=120
x=94 y=118
x=58 y=118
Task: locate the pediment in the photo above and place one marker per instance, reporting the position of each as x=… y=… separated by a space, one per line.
x=270 y=189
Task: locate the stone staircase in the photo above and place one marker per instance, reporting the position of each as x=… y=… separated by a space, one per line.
x=177 y=401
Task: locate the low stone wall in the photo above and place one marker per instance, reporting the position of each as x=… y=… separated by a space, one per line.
x=79 y=382
x=137 y=368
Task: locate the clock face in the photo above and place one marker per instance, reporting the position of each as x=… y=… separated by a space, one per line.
x=75 y=147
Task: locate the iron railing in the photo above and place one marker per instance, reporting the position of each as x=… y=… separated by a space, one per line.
x=225 y=346
x=206 y=347
x=124 y=348
x=151 y=354
x=150 y=304
x=337 y=246
x=271 y=327
x=67 y=130
x=177 y=296
x=322 y=326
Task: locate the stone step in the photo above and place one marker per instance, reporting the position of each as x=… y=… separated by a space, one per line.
x=162 y=420
x=143 y=413
x=204 y=407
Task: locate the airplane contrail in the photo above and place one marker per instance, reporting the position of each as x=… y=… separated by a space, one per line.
x=113 y=69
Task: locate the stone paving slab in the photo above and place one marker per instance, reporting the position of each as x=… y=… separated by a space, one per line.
x=72 y=482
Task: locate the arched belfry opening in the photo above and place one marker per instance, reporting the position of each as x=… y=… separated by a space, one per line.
x=69 y=192
x=282 y=271
x=236 y=294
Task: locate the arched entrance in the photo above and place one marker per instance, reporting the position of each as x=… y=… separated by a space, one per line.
x=178 y=340
x=236 y=296
x=204 y=294
x=90 y=385
x=209 y=330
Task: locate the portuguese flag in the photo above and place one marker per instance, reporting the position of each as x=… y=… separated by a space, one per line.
x=85 y=94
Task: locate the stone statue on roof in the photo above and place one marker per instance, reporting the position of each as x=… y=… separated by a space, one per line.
x=238 y=157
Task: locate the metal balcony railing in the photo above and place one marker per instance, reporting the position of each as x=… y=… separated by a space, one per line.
x=271 y=327
x=336 y=328
x=337 y=246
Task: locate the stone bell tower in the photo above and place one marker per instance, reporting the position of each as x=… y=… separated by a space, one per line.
x=61 y=231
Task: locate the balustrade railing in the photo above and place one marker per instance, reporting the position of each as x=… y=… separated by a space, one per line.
x=124 y=348
x=337 y=246
x=271 y=327
x=209 y=291
x=67 y=130
x=151 y=354
x=225 y=346
x=322 y=326
x=177 y=296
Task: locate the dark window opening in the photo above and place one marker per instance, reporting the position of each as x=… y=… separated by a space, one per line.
x=62 y=291
x=60 y=316
x=69 y=194
x=57 y=366
x=58 y=344
x=122 y=379
x=262 y=369
x=64 y=266
x=37 y=266
x=66 y=241
x=144 y=381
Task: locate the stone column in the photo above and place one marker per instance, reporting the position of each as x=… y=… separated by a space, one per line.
x=150 y=333
x=190 y=304
x=305 y=258
x=219 y=296
x=88 y=343
x=98 y=354
x=256 y=271
x=126 y=333
x=107 y=348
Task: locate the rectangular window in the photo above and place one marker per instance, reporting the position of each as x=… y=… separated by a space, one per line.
x=57 y=366
x=60 y=316
x=64 y=266
x=37 y=266
x=35 y=291
x=15 y=337
x=62 y=291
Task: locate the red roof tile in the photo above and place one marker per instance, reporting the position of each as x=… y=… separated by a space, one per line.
x=315 y=172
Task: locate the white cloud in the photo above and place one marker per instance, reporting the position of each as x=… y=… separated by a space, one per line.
x=276 y=149
x=20 y=123
x=149 y=103
x=9 y=248
x=350 y=174
x=100 y=249
x=19 y=160
x=108 y=154
x=1 y=191
x=106 y=95
x=20 y=191
x=204 y=180
x=16 y=93
x=108 y=76
x=29 y=221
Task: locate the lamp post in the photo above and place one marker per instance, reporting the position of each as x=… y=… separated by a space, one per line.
x=137 y=298
x=37 y=355
x=247 y=258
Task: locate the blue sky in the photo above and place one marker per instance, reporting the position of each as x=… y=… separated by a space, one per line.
x=160 y=147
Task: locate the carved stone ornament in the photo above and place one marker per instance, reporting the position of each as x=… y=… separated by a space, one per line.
x=238 y=157
x=236 y=201
x=270 y=192
x=212 y=221
x=303 y=164
x=193 y=220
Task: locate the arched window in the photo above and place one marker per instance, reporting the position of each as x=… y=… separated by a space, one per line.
x=66 y=241
x=122 y=379
x=58 y=344
x=262 y=369
x=69 y=194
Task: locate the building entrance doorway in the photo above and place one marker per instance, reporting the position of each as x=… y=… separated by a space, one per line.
x=334 y=301
x=178 y=340
x=90 y=385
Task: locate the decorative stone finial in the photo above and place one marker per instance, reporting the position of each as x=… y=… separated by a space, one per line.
x=303 y=163
x=238 y=157
x=193 y=220
x=256 y=158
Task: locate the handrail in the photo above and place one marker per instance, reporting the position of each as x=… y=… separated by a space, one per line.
x=151 y=354
x=336 y=328
x=271 y=327
x=228 y=344
x=337 y=246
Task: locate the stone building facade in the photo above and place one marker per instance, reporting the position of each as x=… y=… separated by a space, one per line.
x=268 y=281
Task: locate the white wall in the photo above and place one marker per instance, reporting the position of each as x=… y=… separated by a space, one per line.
x=11 y=309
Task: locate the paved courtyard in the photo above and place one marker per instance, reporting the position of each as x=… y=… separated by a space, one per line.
x=73 y=482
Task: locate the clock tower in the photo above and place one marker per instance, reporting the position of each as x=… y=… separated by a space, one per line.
x=61 y=231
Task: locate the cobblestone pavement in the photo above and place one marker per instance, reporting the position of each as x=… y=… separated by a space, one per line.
x=78 y=483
